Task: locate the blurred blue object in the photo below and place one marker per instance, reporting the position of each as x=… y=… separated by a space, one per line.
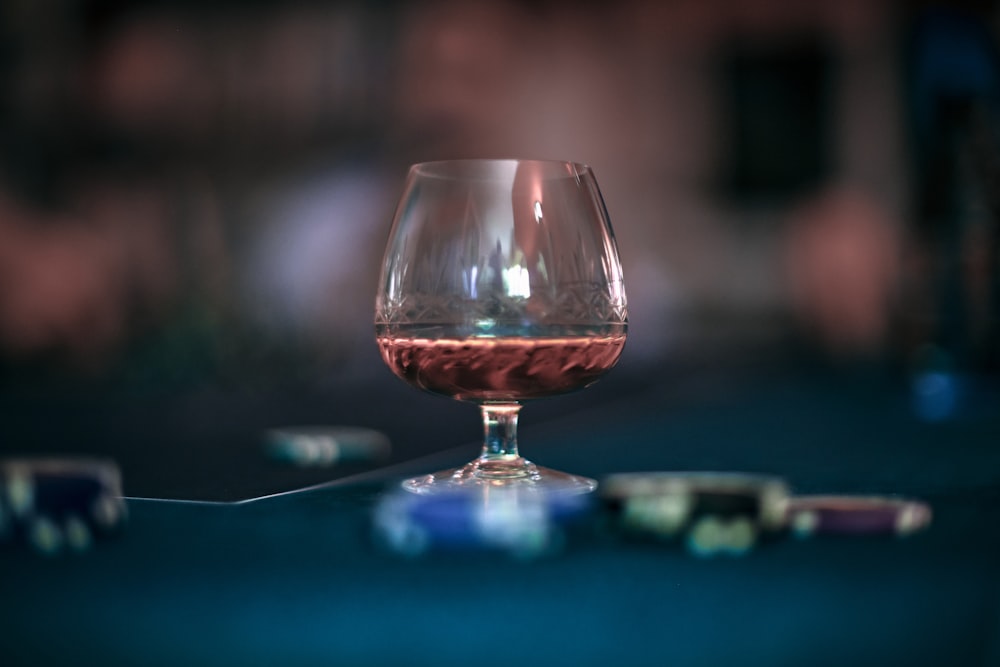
x=954 y=57
x=936 y=395
x=522 y=522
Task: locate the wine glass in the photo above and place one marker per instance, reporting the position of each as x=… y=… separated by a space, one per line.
x=501 y=283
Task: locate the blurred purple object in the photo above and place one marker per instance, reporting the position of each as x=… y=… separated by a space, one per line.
x=856 y=515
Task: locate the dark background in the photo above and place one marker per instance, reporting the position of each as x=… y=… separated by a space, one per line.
x=194 y=198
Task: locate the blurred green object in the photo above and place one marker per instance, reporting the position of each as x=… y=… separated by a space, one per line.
x=326 y=446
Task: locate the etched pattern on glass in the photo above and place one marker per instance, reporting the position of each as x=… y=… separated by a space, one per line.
x=577 y=304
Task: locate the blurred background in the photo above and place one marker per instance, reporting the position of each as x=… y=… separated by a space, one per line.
x=194 y=198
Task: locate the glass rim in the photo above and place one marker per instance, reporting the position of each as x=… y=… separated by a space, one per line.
x=452 y=169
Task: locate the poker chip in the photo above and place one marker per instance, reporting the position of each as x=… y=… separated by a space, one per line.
x=710 y=512
x=77 y=533
x=856 y=515
x=326 y=446
x=53 y=504
x=710 y=535
x=20 y=488
x=44 y=535
x=522 y=522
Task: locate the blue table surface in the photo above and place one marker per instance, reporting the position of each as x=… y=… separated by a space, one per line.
x=295 y=579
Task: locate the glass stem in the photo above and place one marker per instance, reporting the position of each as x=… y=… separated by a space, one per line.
x=499 y=431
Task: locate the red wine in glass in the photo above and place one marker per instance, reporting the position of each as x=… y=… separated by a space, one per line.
x=502 y=368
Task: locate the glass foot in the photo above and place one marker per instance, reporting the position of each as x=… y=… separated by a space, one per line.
x=513 y=472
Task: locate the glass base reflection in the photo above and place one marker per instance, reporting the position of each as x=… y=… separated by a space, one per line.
x=504 y=472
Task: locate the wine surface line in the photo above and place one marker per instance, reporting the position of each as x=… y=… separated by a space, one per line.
x=500 y=368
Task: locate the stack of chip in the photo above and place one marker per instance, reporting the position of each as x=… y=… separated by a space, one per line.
x=55 y=505
x=518 y=520
x=326 y=446
x=711 y=513
x=856 y=515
